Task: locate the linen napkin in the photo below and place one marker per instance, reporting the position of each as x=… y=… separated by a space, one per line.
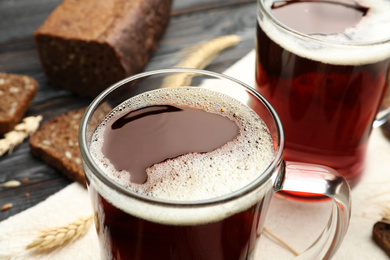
x=296 y=223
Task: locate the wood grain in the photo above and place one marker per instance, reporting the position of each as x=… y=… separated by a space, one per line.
x=192 y=22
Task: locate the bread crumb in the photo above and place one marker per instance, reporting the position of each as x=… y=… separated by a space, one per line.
x=25 y=180
x=27 y=195
x=6 y=206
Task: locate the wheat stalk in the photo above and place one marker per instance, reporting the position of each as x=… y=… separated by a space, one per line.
x=56 y=237
x=208 y=51
x=280 y=241
x=20 y=132
x=200 y=59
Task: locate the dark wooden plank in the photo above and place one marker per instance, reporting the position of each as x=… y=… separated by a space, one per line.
x=184 y=7
x=186 y=30
x=192 y=22
x=19 y=18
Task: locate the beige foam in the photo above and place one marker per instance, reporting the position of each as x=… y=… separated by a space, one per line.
x=199 y=176
x=373 y=27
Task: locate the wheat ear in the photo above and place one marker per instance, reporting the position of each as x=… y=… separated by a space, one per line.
x=200 y=59
x=20 y=132
x=56 y=237
x=386 y=215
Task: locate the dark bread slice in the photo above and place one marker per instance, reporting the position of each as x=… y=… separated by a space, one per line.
x=87 y=45
x=381 y=235
x=56 y=143
x=16 y=94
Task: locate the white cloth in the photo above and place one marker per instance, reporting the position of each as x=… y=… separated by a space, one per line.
x=63 y=207
x=297 y=223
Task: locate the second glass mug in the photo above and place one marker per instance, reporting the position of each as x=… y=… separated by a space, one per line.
x=327 y=92
x=135 y=226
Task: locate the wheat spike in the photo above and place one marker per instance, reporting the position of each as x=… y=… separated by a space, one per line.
x=200 y=59
x=19 y=133
x=386 y=215
x=208 y=51
x=53 y=238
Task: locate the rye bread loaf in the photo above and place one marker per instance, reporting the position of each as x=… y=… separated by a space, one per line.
x=16 y=94
x=87 y=45
x=56 y=143
x=381 y=235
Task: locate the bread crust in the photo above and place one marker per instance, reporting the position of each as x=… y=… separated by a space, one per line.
x=16 y=93
x=381 y=235
x=56 y=143
x=87 y=45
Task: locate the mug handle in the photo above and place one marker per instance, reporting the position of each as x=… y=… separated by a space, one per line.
x=384 y=113
x=314 y=178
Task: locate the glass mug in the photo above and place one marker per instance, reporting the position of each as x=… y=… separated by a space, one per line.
x=327 y=91
x=134 y=225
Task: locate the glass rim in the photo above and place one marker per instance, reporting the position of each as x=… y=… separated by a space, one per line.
x=97 y=172
x=281 y=25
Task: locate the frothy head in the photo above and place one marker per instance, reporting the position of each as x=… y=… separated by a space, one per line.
x=366 y=42
x=197 y=176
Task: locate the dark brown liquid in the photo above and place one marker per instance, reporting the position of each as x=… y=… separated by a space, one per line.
x=133 y=238
x=327 y=110
x=318 y=17
x=150 y=135
x=153 y=134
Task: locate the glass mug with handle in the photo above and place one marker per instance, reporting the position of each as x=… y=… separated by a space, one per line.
x=182 y=164
x=324 y=67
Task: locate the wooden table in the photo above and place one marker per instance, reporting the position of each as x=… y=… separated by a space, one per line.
x=192 y=22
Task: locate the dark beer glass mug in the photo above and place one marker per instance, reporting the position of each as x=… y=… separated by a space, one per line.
x=325 y=83
x=133 y=225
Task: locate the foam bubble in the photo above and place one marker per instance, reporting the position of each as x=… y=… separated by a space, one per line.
x=198 y=176
x=373 y=27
